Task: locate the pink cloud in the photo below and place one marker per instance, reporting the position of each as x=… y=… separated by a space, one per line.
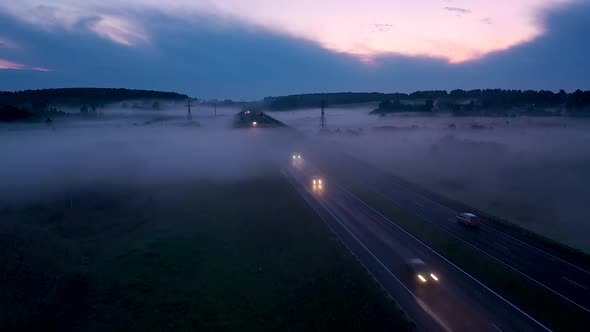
x=366 y=29
x=422 y=28
x=119 y=30
x=5 y=64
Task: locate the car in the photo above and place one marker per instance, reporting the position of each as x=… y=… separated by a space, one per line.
x=296 y=155
x=420 y=272
x=468 y=219
x=317 y=183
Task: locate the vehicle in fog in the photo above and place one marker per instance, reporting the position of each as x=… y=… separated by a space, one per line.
x=317 y=183
x=296 y=155
x=467 y=219
x=419 y=271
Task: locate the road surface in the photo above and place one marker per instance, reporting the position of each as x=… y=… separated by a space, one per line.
x=553 y=271
x=457 y=302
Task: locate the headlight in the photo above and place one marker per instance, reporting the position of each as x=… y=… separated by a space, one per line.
x=320 y=181
x=421 y=278
x=434 y=277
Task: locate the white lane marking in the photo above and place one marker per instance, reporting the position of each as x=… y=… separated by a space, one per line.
x=422 y=305
x=535 y=248
x=434 y=316
x=419 y=204
x=497 y=328
x=448 y=261
x=503 y=246
x=503 y=233
x=575 y=283
x=483 y=252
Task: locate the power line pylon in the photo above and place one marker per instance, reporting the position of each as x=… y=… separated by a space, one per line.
x=323 y=117
x=189 y=116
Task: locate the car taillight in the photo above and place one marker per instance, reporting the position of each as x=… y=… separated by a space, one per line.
x=469 y=221
x=479 y=221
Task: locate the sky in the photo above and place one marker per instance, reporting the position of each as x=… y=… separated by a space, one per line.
x=249 y=49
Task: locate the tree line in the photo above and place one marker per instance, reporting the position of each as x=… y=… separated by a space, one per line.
x=20 y=105
x=457 y=101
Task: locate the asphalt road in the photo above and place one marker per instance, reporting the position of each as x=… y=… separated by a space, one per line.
x=551 y=271
x=457 y=302
x=557 y=269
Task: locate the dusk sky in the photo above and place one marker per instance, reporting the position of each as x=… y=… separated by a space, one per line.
x=255 y=48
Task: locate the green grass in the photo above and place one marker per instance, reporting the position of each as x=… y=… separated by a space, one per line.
x=545 y=306
x=208 y=256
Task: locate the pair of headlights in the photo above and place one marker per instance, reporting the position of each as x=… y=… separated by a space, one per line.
x=432 y=275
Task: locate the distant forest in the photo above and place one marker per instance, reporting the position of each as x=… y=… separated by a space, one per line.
x=21 y=105
x=458 y=102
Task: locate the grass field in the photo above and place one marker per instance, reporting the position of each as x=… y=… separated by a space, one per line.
x=210 y=256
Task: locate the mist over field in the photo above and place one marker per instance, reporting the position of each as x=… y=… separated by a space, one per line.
x=532 y=171
x=127 y=147
x=135 y=221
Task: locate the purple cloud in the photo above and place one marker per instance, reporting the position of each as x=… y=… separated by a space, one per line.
x=458 y=10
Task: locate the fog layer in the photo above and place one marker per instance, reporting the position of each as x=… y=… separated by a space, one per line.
x=48 y=159
x=531 y=171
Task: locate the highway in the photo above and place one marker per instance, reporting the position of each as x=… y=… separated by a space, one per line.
x=461 y=302
x=458 y=302
x=556 y=274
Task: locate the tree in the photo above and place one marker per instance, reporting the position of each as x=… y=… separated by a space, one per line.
x=12 y=113
x=429 y=105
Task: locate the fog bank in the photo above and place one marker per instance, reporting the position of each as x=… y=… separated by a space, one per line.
x=531 y=171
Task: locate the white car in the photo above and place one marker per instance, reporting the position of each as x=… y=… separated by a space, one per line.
x=420 y=272
x=468 y=219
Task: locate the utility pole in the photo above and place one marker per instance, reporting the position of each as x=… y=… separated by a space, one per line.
x=323 y=118
x=189 y=115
